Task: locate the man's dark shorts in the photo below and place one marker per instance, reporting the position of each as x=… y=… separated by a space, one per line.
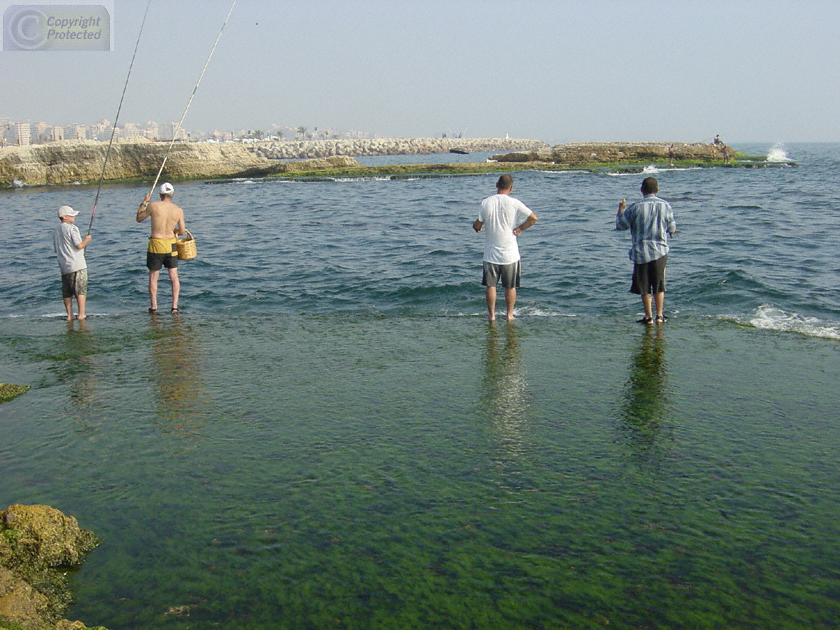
x=649 y=277
x=509 y=274
x=155 y=261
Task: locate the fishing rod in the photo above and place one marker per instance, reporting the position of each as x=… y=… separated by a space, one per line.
x=184 y=115
x=114 y=129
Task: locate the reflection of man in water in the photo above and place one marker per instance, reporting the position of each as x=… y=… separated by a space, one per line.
x=504 y=396
x=503 y=218
x=181 y=401
x=646 y=396
x=167 y=220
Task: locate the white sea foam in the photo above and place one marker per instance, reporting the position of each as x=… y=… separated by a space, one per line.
x=562 y=173
x=372 y=178
x=535 y=311
x=650 y=170
x=768 y=317
x=777 y=153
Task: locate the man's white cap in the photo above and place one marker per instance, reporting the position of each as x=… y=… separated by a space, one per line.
x=67 y=211
x=166 y=189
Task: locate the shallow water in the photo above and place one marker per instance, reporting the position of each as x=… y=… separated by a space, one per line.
x=330 y=436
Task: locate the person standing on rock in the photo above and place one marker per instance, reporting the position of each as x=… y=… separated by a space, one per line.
x=650 y=222
x=167 y=221
x=70 y=247
x=503 y=219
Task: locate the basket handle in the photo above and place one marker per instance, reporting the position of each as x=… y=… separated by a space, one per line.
x=189 y=234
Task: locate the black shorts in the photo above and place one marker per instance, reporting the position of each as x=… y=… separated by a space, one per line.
x=155 y=261
x=649 y=277
x=509 y=274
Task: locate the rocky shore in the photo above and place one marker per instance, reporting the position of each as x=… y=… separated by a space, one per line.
x=585 y=153
x=72 y=161
x=80 y=161
x=38 y=544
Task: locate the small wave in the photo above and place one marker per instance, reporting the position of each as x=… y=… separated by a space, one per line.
x=372 y=178
x=536 y=311
x=768 y=317
x=777 y=154
x=650 y=170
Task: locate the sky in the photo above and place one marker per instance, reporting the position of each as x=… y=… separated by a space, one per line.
x=551 y=70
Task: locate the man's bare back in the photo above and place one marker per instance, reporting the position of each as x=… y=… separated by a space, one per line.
x=167 y=220
x=166 y=216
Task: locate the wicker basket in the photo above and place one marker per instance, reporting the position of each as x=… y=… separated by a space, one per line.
x=186 y=247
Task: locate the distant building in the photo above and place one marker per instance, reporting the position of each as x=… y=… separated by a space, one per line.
x=57 y=134
x=42 y=132
x=150 y=130
x=181 y=134
x=100 y=130
x=76 y=132
x=23 y=136
x=5 y=131
x=131 y=129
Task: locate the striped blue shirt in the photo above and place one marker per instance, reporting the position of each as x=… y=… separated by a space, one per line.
x=649 y=221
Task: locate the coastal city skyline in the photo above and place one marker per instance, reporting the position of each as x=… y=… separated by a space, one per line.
x=555 y=71
x=24 y=133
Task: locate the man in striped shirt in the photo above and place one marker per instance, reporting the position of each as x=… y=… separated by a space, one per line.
x=650 y=222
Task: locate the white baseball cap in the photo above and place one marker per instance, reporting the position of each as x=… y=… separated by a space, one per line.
x=166 y=189
x=67 y=211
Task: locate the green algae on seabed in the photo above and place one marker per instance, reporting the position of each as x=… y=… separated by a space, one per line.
x=8 y=392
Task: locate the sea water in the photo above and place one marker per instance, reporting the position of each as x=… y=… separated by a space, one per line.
x=330 y=435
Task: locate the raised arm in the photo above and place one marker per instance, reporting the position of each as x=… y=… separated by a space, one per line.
x=143 y=211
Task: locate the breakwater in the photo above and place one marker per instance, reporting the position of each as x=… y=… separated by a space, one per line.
x=388 y=146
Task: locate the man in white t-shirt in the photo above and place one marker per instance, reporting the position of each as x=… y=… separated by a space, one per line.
x=503 y=219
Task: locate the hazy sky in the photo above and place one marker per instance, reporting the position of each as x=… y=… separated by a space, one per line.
x=554 y=70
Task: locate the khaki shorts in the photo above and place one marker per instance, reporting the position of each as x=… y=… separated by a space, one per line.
x=74 y=284
x=509 y=275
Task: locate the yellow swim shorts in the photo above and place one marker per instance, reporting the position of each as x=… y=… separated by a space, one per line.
x=163 y=246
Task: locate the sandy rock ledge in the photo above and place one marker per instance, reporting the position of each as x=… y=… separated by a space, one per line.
x=38 y=544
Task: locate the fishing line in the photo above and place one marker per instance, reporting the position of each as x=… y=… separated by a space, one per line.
x=184 y=115
x=116 y=120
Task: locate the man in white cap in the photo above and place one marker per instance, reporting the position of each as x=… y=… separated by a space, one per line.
x=167 y=221
x=70 y=248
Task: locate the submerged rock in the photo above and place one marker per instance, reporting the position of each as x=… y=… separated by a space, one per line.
x=38 y=544
x=7 y=391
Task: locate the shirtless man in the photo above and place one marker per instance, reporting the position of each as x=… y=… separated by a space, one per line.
x=167 y=221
